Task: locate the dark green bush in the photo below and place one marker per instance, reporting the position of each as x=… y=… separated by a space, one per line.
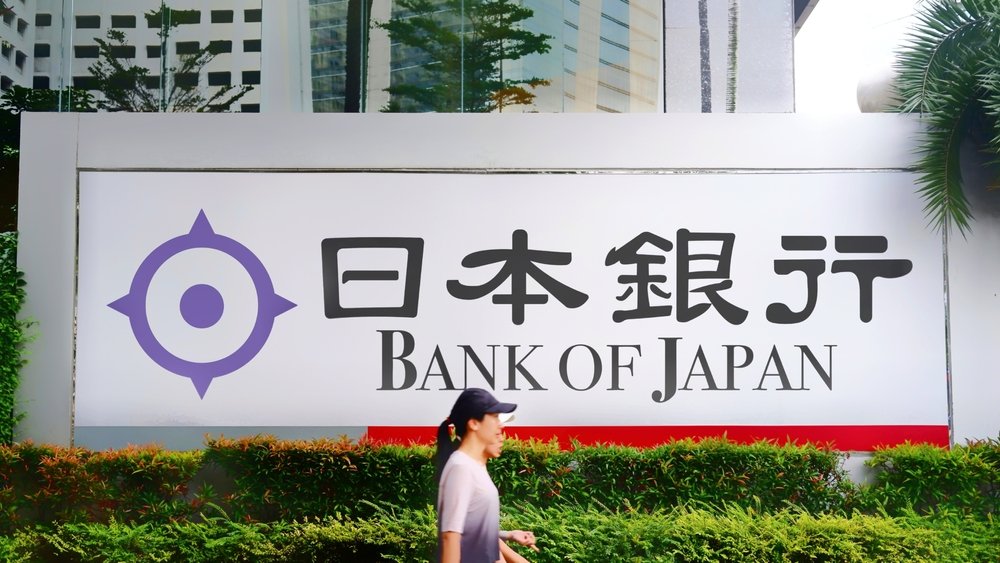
x=281 y=480
x=13 y=334
x=713 y=472
x=681 y=535
x=265 y=479
x=964 y=479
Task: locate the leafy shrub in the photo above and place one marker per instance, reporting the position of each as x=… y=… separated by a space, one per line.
x=281 y=480
x=50 y=484
x=713 y=472
x=266 y=479
x=964 y=479
x=13 y=334
x=733 y=534
x=682 y=535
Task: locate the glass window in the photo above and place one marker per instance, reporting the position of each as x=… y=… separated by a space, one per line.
x=251 y=45
x=220 y=79
x=86 y=51
x=88 y=22
x=85 y=82
x=123 y=22
x=153 y=51
x=185 y=17
x=252 y=16
x=251 y=77
x=174 y=17
x=186 y=79
x=219 y=46
x=43 y=20
x=222 y=16
x=42 y=50
x=123 y=51
x=187 y=47
x=41 y=82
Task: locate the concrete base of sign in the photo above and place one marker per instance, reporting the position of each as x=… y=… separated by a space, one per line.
x=193 y=437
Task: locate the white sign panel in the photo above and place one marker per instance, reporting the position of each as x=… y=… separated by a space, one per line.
x=366 y=299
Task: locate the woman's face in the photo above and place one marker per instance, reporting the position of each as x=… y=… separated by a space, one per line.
x=490 y=433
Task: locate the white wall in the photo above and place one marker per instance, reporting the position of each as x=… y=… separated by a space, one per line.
x=973 y=287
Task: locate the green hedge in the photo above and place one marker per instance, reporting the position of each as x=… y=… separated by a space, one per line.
x=763 y=475
x=281 y=480
x=13 y=334
x=277 y=479
x=679 y=535
x=44 y=484
x=264 y=479
x=738 y=534
x=925 y=478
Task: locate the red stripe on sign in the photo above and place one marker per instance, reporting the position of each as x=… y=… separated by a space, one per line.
x=846 y=438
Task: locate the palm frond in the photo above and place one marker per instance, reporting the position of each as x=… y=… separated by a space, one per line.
x=947 y=73
x=948 y=32
x=990 y=81
x=940 y=168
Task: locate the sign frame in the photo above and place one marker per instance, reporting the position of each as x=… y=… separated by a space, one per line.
x=56 y=148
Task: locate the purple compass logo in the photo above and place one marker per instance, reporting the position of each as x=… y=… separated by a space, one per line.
x=201 y=305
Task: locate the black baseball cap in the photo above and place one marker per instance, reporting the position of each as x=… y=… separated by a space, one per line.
x=474 y=403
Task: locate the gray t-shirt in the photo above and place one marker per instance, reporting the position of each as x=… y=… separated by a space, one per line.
x=468 y=503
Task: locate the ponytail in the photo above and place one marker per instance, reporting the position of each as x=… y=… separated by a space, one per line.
x=445 y=447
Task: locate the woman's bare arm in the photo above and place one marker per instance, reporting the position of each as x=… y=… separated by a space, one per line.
x=451 y=547
x=508 y=555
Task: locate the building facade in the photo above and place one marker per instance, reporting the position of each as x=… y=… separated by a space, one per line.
x=64 y=43
x=16 y=43
x=610 y=56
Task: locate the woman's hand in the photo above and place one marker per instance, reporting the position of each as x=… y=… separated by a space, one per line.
x=508 y=555
x=522 y=537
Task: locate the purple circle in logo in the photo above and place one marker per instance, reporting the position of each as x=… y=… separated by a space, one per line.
x=202 y=305
x=269 y=305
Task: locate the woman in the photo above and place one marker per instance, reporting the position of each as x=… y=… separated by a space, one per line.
x=468 y=504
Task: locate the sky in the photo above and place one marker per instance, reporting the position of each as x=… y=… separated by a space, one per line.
x=842 y=43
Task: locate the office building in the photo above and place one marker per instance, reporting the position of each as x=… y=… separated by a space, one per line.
x=604 y=55
x=16 y=43
x=65 y=47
